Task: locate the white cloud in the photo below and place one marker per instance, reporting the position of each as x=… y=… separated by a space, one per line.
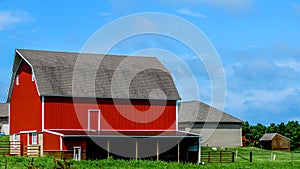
x=259 y=99
x=187 y=11
x=232 y=5
x=229 y=5
x=10 y=18
x=291 y=63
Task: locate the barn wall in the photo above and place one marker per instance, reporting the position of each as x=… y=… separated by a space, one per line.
x=51 y=142
x=69 y=144
x=219 y=137
x=62 y=113
x=280 y=143
x=25 y=103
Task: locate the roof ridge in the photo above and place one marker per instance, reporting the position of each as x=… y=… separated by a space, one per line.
x=78 y=52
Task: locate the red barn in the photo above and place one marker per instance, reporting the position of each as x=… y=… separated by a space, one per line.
x=92 y=106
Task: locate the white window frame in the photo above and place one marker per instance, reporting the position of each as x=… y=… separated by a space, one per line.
x=89 y=116
x=15 y=139
x=34 y=138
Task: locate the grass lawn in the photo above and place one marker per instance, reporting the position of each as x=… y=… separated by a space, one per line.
x=261 y=160
x=48 y=163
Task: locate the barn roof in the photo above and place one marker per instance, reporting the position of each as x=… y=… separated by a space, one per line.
x=270 y=136
x=70 y=74
x=3 y=110
x=196 y=111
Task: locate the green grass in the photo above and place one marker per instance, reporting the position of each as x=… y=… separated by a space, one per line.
x=4 y=144
x=47 y=163
x=265 y=155
x=261 y=160
x=4 y=138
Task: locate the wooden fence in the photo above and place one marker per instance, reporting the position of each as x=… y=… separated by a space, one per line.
x=218 y=156
x=16 y=148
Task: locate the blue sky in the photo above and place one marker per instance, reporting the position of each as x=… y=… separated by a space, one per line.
x=257 y=42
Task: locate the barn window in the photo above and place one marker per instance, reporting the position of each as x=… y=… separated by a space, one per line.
x=17 y=80
x=14 y=139
x=34 y=138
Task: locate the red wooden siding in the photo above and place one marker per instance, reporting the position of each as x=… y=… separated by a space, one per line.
x=25 y=103
x=51 y=142
x=60 y=114
x=24 y=139
x=70 y=144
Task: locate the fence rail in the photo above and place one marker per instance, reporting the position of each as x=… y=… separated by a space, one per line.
x=16 y=148
x=218 y=156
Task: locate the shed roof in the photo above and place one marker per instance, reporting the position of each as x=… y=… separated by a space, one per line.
x=3 y=110
x=196 y=111
x=270 y=136
x=70 y=74
x=114 y=133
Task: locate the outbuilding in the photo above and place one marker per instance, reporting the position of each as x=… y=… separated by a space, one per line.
x=4 y=112
x=216 y=127
x=275 y=141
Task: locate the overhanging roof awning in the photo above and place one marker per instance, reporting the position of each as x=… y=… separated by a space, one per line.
x=125 y=134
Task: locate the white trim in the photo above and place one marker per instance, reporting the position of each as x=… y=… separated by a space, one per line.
x=137 y=130
x=12 y=78
x=23 y=58
x=190 y=133
x=52 y=132
x=32 y=75
x=89 y=116
x=177 y=111
x=65 y=130
x=31 y=70
x=107 y=130
x=9 y=119
x=27 y=131
x=60 y=144
x=43 y=113
x=113 y=130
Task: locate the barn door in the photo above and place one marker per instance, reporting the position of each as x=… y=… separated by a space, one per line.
x=94 y=120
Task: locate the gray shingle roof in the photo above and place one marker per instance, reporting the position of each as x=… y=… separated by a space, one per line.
x=196 y=111
x=70 y=74
x=270 y=136
x=3 y=110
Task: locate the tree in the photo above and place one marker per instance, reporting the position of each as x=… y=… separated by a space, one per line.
x=273 y=128
x=290 y=130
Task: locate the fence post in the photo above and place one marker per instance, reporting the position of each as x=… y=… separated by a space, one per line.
x=232 y=156
x=21 y=149
x=220 y=156
x=251 y=156
x=208 y=160
x=9 y=145
x=39 y=150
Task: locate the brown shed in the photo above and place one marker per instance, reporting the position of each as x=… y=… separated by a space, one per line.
x=275 y=141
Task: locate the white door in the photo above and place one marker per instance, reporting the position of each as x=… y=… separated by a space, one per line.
x=77 y=153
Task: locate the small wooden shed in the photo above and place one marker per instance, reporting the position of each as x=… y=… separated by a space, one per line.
x=275 y=141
